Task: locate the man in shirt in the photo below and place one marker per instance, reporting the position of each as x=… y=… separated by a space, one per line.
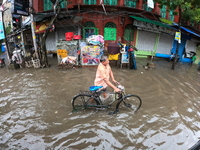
x=103 y=74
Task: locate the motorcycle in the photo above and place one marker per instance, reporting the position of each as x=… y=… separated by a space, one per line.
x=2 y=62
x=17 y=57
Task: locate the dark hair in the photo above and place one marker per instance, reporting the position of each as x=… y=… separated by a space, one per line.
x=103 y=58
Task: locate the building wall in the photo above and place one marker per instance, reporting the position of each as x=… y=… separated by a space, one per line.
x=7 y=14
x=100 y=19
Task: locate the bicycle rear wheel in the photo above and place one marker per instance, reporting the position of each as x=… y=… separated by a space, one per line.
x=81 y=101
x=133 y=102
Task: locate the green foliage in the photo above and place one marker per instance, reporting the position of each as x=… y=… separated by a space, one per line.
x=8 y=28
x=190 y=9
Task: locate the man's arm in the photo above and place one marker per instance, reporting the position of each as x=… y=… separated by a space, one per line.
x=111 y=85
x=112 y=76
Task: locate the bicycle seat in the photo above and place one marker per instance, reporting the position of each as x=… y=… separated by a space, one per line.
x=94 y=88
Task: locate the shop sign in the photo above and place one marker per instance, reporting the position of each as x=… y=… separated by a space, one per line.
x=178 y=37
x=125 y=58
x=151 y=27
x=20 y=7
x=2 y=35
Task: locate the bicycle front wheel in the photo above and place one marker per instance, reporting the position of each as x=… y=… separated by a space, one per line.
x=81 y=101
x=133 y=102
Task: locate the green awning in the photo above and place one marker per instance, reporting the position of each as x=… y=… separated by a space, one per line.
x=150 y=21
x=169 y=22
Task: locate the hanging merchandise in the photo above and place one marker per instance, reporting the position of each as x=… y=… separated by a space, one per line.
x=95 y=40
x=113 y=57
x=113 y=48
x=90 y=55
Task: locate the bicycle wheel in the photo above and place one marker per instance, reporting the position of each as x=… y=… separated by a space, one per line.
x=82 y=101
x=133 y=102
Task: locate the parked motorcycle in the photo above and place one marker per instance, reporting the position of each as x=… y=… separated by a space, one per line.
x=2 y=62
x=17 y=58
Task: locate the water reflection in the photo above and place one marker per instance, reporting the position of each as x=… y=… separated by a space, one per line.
x=35 y=110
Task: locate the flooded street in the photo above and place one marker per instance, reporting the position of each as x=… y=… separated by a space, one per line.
x=36 y=111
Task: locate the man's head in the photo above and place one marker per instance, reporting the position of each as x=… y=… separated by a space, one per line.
x=104 y=60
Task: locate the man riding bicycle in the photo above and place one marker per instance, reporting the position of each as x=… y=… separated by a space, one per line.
x=103 y=75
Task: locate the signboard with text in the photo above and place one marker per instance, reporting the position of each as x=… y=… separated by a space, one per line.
x=2 y=35
x=20 y=7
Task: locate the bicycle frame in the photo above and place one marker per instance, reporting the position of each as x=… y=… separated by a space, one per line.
x=95 y=95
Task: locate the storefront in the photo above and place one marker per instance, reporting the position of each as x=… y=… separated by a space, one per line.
x=153 y=38
x=164 y=45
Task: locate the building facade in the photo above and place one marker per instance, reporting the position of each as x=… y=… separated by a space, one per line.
x=125 y=21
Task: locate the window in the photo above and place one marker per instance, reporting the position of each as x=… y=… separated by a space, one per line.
x=171 y=15
x=89 y=2
x=129 y=32
x=110 y=2
x=48 y=5
x=163 y=11
x=89 y=29
x=89 y=24
x=110 y=31
x=192 y=23
x=63 y=4
x=145 y=7
x=130 y=3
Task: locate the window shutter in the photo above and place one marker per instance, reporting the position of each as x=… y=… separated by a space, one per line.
x=63 y=4
x=47 y=5
x=97 y=31
x=110 y=34
x=163 y=11
x=89 y=2
x=110 y=2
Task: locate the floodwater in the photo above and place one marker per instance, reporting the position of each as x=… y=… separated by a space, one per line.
x=36 y=111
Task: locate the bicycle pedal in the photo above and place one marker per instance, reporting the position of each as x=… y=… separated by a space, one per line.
x=113 y=112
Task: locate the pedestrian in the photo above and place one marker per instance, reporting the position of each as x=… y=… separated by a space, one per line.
x=193 y=59
x=103 y=75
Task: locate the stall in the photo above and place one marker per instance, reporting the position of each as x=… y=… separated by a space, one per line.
x=67 y=54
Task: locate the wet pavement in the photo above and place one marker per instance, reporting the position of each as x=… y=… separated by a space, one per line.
x=36 y=111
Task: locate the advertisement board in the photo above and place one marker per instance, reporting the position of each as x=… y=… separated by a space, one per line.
x=90 y=55
x=2 y=35
x=125 y=58
x=20 y=7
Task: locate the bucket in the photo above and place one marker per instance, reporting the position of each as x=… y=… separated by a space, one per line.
x=77 y=37
x=69 y=36
x=36 y=63
x=3 y=48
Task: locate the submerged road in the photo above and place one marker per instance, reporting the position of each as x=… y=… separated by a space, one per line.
x=36 y=111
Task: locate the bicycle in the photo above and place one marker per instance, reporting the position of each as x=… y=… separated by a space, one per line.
x=84 y=98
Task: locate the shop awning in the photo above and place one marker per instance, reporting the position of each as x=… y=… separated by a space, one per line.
x=187 y=30
x=151 y=21
x=171 y=23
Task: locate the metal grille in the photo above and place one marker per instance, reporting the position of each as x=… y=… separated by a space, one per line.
x=165 y=43
x=146 y=41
